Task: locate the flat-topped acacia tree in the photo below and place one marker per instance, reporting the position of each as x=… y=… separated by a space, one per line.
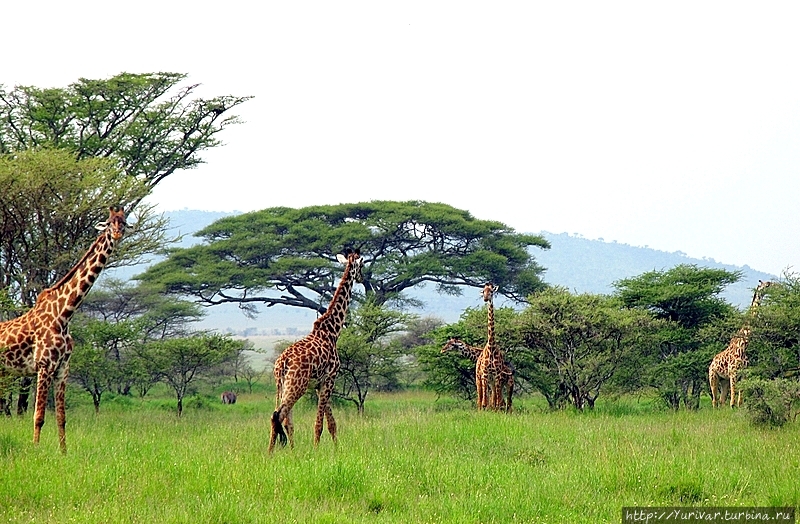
x=282 y=256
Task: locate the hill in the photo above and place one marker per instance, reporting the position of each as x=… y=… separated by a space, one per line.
x=582 y=265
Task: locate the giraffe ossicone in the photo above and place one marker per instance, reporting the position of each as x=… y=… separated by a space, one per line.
x=314 y=358
x=38 y=342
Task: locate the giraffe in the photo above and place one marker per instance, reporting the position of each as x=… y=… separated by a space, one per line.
x=506 y=372
x=314 y=357
x=491 y=360
x=39 y=343
x=726 y=364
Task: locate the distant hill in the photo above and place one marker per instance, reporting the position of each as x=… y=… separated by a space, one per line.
x=577 y=263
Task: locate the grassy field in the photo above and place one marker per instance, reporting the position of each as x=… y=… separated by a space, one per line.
x=411 y=458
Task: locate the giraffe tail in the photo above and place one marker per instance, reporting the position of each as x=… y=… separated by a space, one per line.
x=277 y=427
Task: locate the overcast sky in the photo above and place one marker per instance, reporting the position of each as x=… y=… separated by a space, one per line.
x=673 y=125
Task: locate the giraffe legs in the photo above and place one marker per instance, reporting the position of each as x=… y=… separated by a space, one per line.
x=324 y=392
x=61 y=411
x=733 y=392
x=713 y=382
x=282 y=426
x=43 y=382
x=480 y=383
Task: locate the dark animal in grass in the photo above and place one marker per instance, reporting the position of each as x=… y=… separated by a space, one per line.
x=229 y=397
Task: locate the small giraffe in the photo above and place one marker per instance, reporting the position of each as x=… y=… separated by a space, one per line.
x=39 y=343
x=506 y=372
x=727 y=364
x=491 y=360
x=314 y=357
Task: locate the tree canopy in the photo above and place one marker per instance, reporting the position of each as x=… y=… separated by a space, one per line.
x=67 y=154
x=49 y=206
x=147 y=123
x=287 y=256
x=687 y=298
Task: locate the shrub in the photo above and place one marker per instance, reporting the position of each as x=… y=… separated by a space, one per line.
x=771 y=402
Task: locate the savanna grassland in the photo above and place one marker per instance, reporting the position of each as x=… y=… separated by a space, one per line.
x=411 y=458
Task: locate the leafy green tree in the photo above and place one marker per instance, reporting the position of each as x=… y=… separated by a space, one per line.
x=116 y=321
x=50 y=205
x=584 y=340
x=687 y=299
x=450 y=372
x=67 y=154
x=369 y=359
x=96 y=361
x=149 y=124
x=287 y=256
x=774 y=350
x=181 y=361
x=419 y=332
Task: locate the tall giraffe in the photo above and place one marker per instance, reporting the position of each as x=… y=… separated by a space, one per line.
x=491 y=360
x=726 y=364
x=39 y=343
x=506 y=381
x=314 y=357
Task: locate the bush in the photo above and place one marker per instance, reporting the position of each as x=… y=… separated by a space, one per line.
x=771 y=402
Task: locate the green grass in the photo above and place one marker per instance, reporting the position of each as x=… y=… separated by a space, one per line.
x=410 y=459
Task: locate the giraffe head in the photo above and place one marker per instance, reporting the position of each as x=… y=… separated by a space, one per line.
x=353 y=258
x=115 y=224
x=763 y=285
x=488 y=292
x=453 y=343
x=758 y=293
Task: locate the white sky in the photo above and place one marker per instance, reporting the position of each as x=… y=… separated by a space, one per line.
x=674 y=125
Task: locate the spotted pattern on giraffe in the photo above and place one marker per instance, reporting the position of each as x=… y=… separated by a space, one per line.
x=39 y=343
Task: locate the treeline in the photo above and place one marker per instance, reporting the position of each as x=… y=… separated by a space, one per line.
x=656 y=334
x=67 y=154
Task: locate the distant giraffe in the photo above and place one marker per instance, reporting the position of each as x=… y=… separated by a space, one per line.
x=314 y=357
x=39 y=343
x=727 y=364
x=491 y=360
x=506 y=372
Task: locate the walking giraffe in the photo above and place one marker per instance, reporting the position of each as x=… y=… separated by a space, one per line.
x=506 y=381
x=314 y=357
x=727 y=364
x=39 y=343
x=491 y=360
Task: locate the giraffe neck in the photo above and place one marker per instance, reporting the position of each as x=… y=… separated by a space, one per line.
x=64 y=297
x=490 y=341
x=470 y=352
x=332 y=321
x=755 y=303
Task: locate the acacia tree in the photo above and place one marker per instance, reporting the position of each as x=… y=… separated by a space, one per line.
x=149 y=124
x=116 y=321
x=452 y=373
x=67 y=154
x=181 y=361
x=687 y=299
x=584 y=340
x=775 y=349
x=287 y=256
x=98 y=359
x=368 y=357
x=51 y=202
